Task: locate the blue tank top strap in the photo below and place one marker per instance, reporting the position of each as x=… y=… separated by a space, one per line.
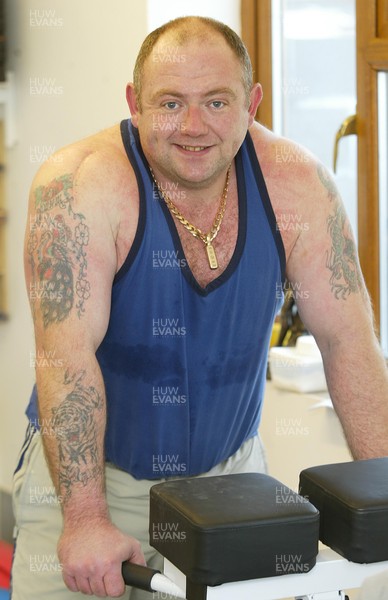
x=261 y=185
x=129 y=142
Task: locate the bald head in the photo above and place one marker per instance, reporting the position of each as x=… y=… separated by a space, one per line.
x=185 y=30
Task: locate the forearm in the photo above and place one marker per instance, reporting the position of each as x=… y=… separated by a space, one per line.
x=91 y=549
x=72 y=417
x=70 y=263
x=357 y=378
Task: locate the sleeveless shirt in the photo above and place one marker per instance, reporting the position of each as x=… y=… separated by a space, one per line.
x=184 y=366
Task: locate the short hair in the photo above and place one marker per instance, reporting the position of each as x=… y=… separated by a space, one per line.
x=187 y=28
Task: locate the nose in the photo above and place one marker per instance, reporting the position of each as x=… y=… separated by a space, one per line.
x=193 y=123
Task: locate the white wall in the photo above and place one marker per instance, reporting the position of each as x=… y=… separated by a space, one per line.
x=84 y=51
x=160 y=11
x=71 y=62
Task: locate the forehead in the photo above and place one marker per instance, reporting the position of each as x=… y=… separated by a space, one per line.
x=202 y=58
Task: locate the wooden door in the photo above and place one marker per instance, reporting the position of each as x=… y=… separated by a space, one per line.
x=372 y=57
x=256 y=33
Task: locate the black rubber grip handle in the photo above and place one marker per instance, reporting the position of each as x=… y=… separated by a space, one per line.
x=138 y=576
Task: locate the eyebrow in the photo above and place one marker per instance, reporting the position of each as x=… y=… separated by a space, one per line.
x=171 y=92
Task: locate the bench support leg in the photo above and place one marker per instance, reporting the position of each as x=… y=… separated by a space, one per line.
x=195 y=591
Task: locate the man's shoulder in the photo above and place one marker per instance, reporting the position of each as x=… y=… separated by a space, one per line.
x=289 y=169
x=291 y=175
x=88 y=159
x=280 y=156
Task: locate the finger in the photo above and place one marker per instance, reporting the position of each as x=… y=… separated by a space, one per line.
x=70 y=582
x=84 y=586
x=98 y=588
x=137 y=555
x=114 y=585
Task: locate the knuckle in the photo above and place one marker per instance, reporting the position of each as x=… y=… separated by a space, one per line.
x=117 y=592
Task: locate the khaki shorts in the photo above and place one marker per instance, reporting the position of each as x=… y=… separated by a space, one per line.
x=36 y=571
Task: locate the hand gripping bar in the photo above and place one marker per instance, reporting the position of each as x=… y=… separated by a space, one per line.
x=149 y=580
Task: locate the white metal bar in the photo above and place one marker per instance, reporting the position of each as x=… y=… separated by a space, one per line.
x=324 y=596
x=331 y=573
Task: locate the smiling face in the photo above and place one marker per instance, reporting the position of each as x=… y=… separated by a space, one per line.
x=194 y=109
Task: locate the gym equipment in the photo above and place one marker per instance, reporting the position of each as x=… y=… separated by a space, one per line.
x=352 y=499
x=231 y=527
x=149 y=580
x=248 y=536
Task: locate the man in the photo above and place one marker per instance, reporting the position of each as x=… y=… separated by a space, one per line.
x=159 y=260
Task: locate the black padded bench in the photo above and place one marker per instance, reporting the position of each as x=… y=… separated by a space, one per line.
x=352 y=499
x=250 y=526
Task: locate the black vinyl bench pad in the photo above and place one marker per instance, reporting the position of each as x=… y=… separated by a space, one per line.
x=352 y=499
x=233 y=527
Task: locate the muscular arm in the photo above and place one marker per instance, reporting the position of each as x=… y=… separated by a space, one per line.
x=70 y=262
x=333 y=302
x=71 y=393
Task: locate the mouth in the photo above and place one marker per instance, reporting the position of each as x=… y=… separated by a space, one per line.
x=192 y=149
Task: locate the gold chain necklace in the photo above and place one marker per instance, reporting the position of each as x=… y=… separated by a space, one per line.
x=207 y=238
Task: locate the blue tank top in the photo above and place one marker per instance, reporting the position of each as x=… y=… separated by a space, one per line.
x=185 y=366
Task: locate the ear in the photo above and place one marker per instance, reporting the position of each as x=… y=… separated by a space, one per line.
x=256 y=96
x=132 y=102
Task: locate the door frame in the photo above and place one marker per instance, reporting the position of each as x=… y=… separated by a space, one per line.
x=372 y=56
x=256 y=29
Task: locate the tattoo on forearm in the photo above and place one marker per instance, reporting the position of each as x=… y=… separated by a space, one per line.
x=57 y=251
x=341 y=260
x=76 y=431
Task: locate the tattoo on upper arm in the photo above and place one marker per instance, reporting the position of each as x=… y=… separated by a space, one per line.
x=57 y=252
x=76 y=431
x=342 y=259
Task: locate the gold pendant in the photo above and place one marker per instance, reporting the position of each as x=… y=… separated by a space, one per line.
x=211 y=255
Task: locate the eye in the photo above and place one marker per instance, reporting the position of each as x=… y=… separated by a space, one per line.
x=217 y=104
x=171 y=105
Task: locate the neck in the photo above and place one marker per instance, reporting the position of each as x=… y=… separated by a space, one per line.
x=201 y=196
